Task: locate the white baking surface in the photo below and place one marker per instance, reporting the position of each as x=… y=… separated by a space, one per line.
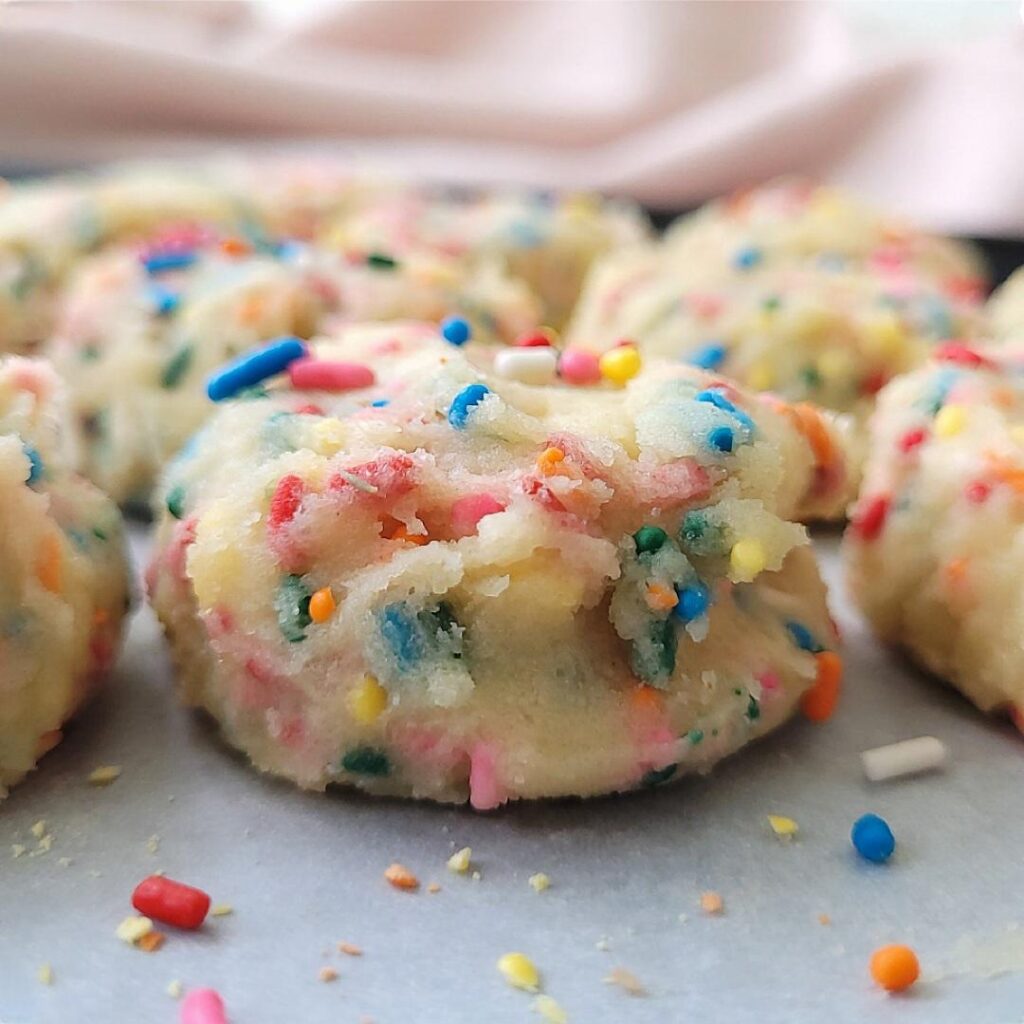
x=304 y=871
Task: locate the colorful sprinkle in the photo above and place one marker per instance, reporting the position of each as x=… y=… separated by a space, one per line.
x=694 y=601
x=176 y=501
x=309 y=374
x=369 y=700
x=747 y=258
x=176 y=368
x=203 y=1006
x=381 y=261
x=747 y=559
x=534 y=366
x=321 y=605
x=580 y=366
x=908 y=757
x=173 y=903
x=782 y=826
x=534 y=339
x=160 y=262
x=895 y=968
x=519 y=971
x=254 y=367
x=366 y=761
x=620 y=364
x=950 y=420
x=869 y=518
x=464 y=402
x=721 y=438
x=456 y=330
x=872 y=838
x=649 y=539
x=466 y=512
x=819 y=702
x=802 y=637
x=292 y=606
x=35 y=464
x=400 y=877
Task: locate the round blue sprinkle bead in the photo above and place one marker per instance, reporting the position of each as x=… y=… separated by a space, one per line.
x=873 y=839
x=456 y=331
x=721 y=438
x=694 y=601
x=710 y=357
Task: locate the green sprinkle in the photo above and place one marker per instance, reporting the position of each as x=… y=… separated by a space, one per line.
x=366 y=761
x=99 y=534
x=381 y=261
x=753 y=709
x=89 y=354
x=695 y=736
x=292 y=606
x=176 y=501
x=654 y=656
x=811 y=378
x=249 y=394
x=771 y=303
x=700 y=536
x=649 y=539
x=177 y=367
x=659 y=775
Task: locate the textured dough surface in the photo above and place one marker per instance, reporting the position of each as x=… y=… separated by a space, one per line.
x=494 y=629
x=935 y=551
x=1006 y=307
x=63 y=572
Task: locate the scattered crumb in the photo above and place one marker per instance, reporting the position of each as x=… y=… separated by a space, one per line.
x=104 y=775
x=603 y=944
x=39 y=829
x=402 y=878
x=711 y=902
x=65 y=862
x=824 y=919
x=151 y=941
x=433 y=888
x=221 y=910
x=153 y=844
x=476 y=876
x=327 y=974
x=175 y=989
x=45 y=974
x=131 y=929
x=17 y=850
x=784 y=828
x=683 y=918
x=551 y=1011
x=539 y=882
x=626 y=980
x=519 y=971
x=349 y=950
x=459 y=861
x=45 y=845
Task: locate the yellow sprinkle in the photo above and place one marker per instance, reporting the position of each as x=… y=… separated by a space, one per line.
x=45 y=974
x=104 y=775
x=131 y=929
x=221 y=910
x=760 y=376
x=747 y=559
x=834 y=365
x=950 y=420
x=321 y=605
x=783 y=826
x=548 y=460
x=369 y=701
x=518 y=970
x=175 y=989
x=539 y=882
x=620 y=364
x=884 y=337
x=550 y=1010
x=328 y=436
x=459 y=861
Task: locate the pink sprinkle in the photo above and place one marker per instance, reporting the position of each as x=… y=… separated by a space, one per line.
x=705 y=306
x=769 y=681
x=310 y=374
x=580 y=366
x=485 y=793
x=468 y=511
x=203 y=1006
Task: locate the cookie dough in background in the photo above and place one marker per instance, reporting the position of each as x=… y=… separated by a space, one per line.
x=63 y=569
x=142 y=326
x=456 y=586
x=1006 y=308
x=935 y=549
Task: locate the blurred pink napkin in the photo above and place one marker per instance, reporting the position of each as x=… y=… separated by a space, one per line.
x=667 y=102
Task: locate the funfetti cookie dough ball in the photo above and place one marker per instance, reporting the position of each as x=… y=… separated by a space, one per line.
x=935 y=548
x=458 y=586
x=63 y=571
x=809 y=332
x=797 y=221
x=546 y=240
x=1006 y=307
x=142 y=328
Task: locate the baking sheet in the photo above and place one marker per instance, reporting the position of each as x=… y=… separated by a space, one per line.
x=304 y=871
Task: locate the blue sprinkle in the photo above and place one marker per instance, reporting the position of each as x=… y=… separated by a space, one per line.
x=289 y=250
x=694 y=601
x=164 y=301
x=159 y=262
x=803 y=637
x=35 y=461
x=456 y=331
x=401 y=632
x=710 y=357
x=715 y=398
x=746 y=258
x=873 y=839
x=254 y=367
x=721 y=438
x=464 y=401
x=380 y=403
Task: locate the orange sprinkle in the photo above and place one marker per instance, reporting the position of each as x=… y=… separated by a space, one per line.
x=820 y=700
x=955 y=571
x=548 y=460
x=234 y=247
x=808 y=420
x=824 y=919
x=895 y=968
x=645 y=698
x=348 y=949
x=402 y=533
x=433 y=888
x=151 y=941
x=48 y=564
x=402 y=878
x=660 y=597
x=321 y=605
x=712 y=903
x=327 y=974
x=251 y=309
x=100 y=617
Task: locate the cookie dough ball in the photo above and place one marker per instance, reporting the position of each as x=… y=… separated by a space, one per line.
x=140 y=330
x=548 y=241
x=1006 y=308
x=935 y=549
x=797 y=221
x=64 y=575
x=458 y=586
x=809 y=332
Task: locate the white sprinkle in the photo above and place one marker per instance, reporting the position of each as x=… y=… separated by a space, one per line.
x=908 y=757
x=527 y=365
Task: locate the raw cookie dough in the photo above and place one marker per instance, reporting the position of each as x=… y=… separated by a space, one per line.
x=935 y=549
x=457 y=586
x=141 y=329
x=1006 y=307
x=64 y=575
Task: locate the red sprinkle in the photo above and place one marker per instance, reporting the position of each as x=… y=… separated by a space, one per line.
x=286 y=500
x=978 y=492
x=960 y=354
x=533 y=339
x=911 y=439
x=310 y=374
x=171 y=902
x=869 y=519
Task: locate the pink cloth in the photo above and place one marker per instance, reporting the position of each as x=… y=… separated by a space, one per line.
x=668 y=102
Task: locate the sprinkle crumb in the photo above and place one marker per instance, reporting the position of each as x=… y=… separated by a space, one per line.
x=45 y=974
x=476 y=876
x=683 y=918
x=603 y=945
x=39 y=829
x=151 y=941
x=433 y=888
x=349 y=950
x=221 y=910
x=783 y=827
x=327 y=974
x=459 y=861
x=550 y=1010
x=539 y=882
x=132 y=929
x=104 y=775
x=712 y=903
x=175 y=989
x=626 y=980
x=402 y=878
x=824 y=919
x=153 y=844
